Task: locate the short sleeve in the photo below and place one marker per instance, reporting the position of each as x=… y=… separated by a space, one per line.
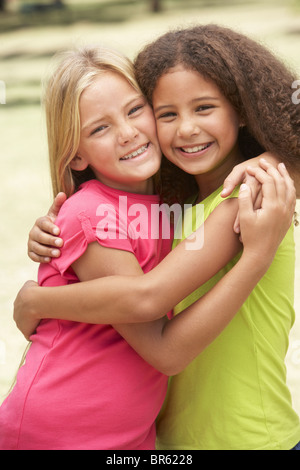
x=218 y=199
x=110 y=227
x=76 y=232
x=79 y=227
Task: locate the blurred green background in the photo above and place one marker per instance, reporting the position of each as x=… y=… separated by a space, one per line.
x=30 y=33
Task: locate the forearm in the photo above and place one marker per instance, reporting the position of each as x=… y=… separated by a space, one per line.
x=116 y=299
x=121 y=298
x=172 y=346
x=113 y=299
x=208 y=317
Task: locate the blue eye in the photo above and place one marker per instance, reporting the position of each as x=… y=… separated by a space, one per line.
x=98 y=129
x=135 y=109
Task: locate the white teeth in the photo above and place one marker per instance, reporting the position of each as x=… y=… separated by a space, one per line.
x=136 y=153
x=195 y=149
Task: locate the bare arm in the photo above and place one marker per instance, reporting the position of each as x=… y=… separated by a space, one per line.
x=143 y=294
x=117 y=292
x=43 y=242
x=239 y=174
x=171 y=347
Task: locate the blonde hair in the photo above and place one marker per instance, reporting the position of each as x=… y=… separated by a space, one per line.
x=76 y=71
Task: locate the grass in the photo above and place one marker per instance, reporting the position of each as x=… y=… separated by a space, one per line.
x=27 y=44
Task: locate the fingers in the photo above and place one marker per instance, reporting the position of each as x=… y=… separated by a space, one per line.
x=256 y=191
x=278 y=190
x=237 y=175
x=270 y=223
x=57 y=203
x=235 y=178
x=246 y=212
x=23 y=311
x=41 y=253
x=290 y=187
x=271 y=180
x=245 y=201
x=277 y=183
x=46 y=224
x=280 y=183
x=38 y=259
x=42 y=246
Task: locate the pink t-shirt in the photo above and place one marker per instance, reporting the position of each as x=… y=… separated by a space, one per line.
x=83 y=386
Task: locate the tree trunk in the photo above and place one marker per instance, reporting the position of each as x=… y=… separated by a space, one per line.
x=2 y=5
x=156 y=5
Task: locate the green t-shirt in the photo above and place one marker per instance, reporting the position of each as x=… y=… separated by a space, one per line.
x=234 y=395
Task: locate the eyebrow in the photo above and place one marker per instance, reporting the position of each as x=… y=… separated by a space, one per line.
x=203 y=98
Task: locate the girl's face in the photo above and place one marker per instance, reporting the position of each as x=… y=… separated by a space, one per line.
x=197 y=126
x=118 y=135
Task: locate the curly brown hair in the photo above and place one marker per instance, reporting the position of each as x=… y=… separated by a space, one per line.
x=256 y=83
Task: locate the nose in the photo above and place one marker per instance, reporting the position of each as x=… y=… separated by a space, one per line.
x=188 y=127
x=127 y=133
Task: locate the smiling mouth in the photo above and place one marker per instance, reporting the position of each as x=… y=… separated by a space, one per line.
x=195 y=149
x=136 y=153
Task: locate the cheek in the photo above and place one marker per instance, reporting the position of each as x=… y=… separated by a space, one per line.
x=233 y=124
x=149 y=127
x=231 y=137
x=227 y=134
x=163 y=138
x=100 y=153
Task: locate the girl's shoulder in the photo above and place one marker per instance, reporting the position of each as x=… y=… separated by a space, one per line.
x=93 y=193
x=88 y=197
x=215 y=199
x=78 y=209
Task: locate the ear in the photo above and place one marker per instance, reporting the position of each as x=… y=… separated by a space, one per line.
x=79 y=163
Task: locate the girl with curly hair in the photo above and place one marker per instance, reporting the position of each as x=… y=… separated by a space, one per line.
x=219 y=98
x=251 y=78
